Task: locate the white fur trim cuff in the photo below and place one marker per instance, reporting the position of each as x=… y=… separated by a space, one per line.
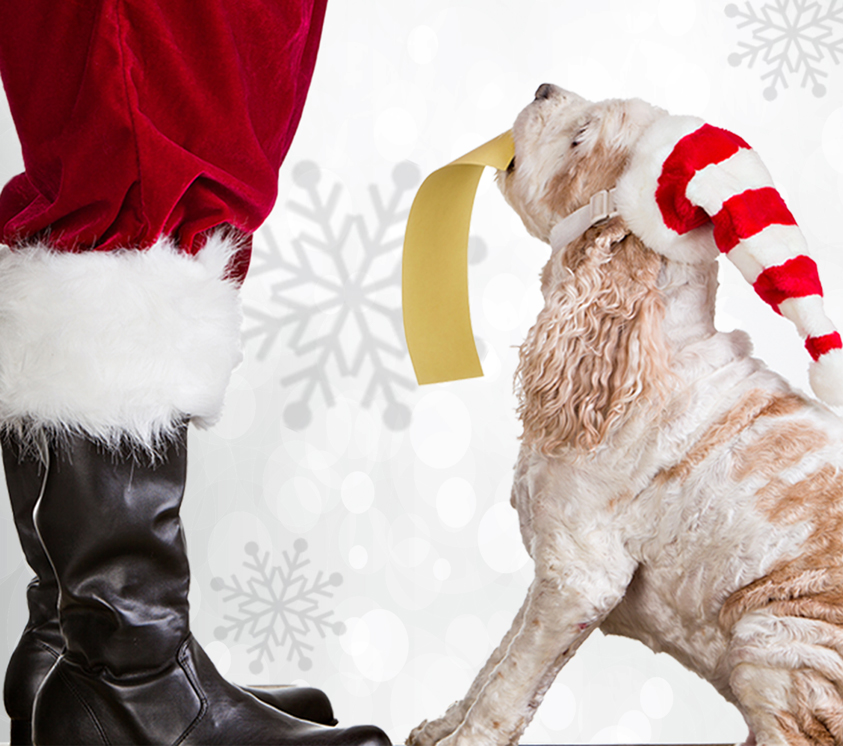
x=120 y=345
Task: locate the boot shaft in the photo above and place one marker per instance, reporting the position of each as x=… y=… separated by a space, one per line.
x=26 y=474
x=41 y=642
x=110 y=525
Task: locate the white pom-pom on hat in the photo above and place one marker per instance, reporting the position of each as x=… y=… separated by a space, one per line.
x=825 y=375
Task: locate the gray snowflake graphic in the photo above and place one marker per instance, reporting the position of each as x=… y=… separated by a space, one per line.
x=792 y=37
x=278 y=606
x=338 y=295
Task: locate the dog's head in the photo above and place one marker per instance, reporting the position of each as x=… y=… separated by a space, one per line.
x=566 y=150
x=685 y=190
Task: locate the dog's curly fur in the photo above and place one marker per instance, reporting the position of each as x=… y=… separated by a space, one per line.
x=670 y=487
x=596 y=347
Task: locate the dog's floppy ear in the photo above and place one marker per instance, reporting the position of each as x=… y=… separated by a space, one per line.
x=597 y=345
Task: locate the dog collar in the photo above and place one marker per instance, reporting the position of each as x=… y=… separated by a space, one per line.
x=600 y=207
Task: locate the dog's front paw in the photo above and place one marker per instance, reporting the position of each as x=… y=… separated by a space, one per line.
x=420 y=735
x=432 y=733
x=444 y=733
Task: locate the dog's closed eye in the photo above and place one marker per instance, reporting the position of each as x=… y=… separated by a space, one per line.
x=580 y=135
x=585 y=128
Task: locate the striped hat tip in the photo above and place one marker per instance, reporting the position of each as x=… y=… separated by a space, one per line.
x=686 y=175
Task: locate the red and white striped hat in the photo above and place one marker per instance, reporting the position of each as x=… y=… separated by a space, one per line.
x=688 y=181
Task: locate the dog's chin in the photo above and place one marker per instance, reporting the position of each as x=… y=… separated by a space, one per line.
x=537 y=219
x=540 y=151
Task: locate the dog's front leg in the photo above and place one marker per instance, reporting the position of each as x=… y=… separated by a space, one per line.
x=433 y=731
x=574 y=590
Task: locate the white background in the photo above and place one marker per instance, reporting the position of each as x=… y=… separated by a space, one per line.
x=416 y=519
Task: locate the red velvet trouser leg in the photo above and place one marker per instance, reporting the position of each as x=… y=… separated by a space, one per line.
x=143 y=118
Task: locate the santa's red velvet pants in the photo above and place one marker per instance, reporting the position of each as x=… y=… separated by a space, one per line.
x=152 y=133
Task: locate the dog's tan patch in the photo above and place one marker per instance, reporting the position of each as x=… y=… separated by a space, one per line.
x=816 y=708
x=756 y=403
x=777 y=450
x=573 y=187
x=826 y=606
x=621 y=499
x=816 y=496
x=785 y=404
x=820 y=698
x=803 y=731
x=813 y=593
x=810 y=586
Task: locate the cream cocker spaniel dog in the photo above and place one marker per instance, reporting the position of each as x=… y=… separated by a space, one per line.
x=670 y=487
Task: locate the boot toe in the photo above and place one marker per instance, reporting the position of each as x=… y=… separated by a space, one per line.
x=363 y=735
x=303 y=702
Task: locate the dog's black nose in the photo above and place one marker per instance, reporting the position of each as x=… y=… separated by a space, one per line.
x=546 y=90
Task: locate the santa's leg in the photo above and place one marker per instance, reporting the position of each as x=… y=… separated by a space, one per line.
x=152 y=136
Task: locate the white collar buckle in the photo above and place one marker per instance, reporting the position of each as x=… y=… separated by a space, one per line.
x=600 y=207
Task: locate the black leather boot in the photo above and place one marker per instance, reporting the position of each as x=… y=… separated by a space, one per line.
x=41 y=642
x=131 y=672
